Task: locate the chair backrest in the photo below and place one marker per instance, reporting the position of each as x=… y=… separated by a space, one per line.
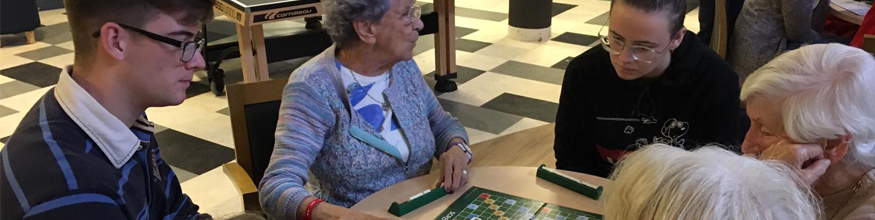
x=720 y=32
x=254 y=111
x=869 y=43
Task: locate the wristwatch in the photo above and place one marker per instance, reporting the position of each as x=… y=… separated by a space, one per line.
x=464 y=148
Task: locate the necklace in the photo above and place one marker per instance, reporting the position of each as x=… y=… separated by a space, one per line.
x=848 y=199
x=383 y=104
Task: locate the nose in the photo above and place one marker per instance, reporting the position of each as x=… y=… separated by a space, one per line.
x=626 y=55
x=749 y=145
x=197 y=62
x=417 y=24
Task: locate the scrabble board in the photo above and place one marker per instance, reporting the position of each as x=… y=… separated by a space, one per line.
x=483 y=204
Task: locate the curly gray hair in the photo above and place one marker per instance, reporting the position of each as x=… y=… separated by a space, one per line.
x=340 y=14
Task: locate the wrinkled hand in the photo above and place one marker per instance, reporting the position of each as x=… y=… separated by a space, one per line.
x=808 y=159
x=454 y=168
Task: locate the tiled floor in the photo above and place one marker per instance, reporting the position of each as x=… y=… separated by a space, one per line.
x=504 y=85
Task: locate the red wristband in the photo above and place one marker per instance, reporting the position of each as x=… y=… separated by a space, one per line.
x=309 y=214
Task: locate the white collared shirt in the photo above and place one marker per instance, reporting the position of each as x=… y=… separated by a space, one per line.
x=111 y=135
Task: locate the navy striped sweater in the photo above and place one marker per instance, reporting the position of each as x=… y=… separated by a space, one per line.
x=51 y=169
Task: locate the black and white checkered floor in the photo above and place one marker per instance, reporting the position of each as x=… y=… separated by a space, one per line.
x=504 y=85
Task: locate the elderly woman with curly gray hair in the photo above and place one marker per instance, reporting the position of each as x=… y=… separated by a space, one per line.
x=359 y=117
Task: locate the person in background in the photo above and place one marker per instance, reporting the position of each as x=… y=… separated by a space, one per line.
x=650 y=81
x=710 y=183
x=767 y=28
x=814 y=109
x=866 y=27
x=707 y=11
x=360 y=118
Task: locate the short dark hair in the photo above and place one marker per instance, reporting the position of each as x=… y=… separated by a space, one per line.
x=675 y=8
x=87 y=16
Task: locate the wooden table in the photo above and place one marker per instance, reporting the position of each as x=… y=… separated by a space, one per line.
x=518 y=181
x=250 y=15
x=529 y=148
x=844 y=14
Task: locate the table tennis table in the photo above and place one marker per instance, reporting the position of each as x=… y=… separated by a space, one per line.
x=250 y=15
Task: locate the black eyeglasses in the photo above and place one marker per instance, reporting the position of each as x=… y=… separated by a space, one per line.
x=189 y=48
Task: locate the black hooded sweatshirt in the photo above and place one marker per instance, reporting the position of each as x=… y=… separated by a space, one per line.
x=602 y=117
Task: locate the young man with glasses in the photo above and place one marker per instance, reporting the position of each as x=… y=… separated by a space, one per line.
x=648 y=81
x=85 y=150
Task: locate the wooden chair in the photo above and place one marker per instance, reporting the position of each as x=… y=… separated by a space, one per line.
x=17 y=16
x=869 y=43
x=719 y=34
x=254 y=111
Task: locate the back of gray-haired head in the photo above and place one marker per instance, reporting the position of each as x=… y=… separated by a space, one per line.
x=676 y=10
x=340 y=15
x=664 y=182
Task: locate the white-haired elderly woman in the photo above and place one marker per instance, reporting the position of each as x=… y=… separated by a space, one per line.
x=814 y=108
x=710 y=183
x=360 y=117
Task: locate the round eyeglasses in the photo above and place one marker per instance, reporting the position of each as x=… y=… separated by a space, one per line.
x=615 y=46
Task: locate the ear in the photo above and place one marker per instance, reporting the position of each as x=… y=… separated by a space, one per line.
x=113 y=40
x=678 y=38
x=836 y=149
x=366 y=31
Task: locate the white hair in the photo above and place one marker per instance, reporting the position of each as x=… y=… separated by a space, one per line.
x=825 y=91
x=660 y=182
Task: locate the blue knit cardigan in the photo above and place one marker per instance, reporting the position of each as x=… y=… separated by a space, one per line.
x=314 y=132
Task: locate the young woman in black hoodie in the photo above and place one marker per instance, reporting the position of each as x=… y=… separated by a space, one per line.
x=650 y=81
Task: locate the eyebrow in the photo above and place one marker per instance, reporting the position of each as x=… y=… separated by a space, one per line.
x=616 y=34
x=641 y=43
